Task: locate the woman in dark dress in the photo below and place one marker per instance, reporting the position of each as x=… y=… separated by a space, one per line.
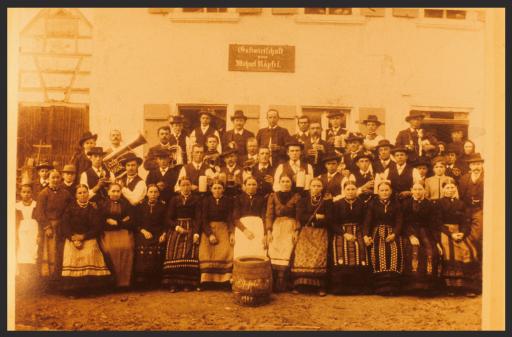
x=349 y=270
x=421 y=256
x=149 y=238
x=181 y=265
x=83 y=266
x=461 y=267
x=117 y=238
x=382 y=232
x=309 y=266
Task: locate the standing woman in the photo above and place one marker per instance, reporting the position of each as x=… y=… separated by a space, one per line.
x=382 y=231
x=421 y=256
x=83 y=264
x=461 y=268
x=248 y=214
x=149 y=238
x=51 y=203
x=282 y=230
x=468 y=149
x=349 y=271
x=309 y=266
x=181 y=265
x=117 y=238
x=216 y=247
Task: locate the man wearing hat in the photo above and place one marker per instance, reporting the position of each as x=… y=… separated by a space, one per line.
x=383 y=160
x=164 y=177
x=420 y=170
x=400 y=174
x=43 y=171
x=354 y=142
x=453 y=168
x=96 y=177
x=195 y=168
x=237 y=137
x=232 y=171
x=303 y=123
x=410 y=138
x=274 y=137
x=178 y=137
x=364 y=176
x=164 y=136
x=69 y=178
x=315 y=148
x=205 y=129
x=331 y=179
x=471 y=192
x=335 y=134
x=371 y=139
x=80 y=159
x=293 y=166
x=133 y=187
x=263 y=172
x=457 y=138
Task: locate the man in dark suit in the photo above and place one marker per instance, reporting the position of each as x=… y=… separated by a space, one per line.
x=453 y=168
x=178 y=137
x=238 y=136
x=354 y=148
x=335 y=134
x=251 y=153
x=164 y=176
x=413 y=137
x=383 y=160
x=274 y=137
x=315 y=148
x=164 y=133
x=263 y=172
x=331 y=179
x=304 y=124
x=400 y=175
x=205 y=129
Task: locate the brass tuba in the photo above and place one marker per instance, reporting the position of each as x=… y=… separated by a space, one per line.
x=112 y=160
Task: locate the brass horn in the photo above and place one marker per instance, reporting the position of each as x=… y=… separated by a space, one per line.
x=112 y=160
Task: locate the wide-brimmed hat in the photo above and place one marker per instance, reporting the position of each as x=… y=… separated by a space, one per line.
x=383 y=143
x=130 y=156
x=421 y=161
x=414 y=114
x=228 y=152
x=458 y=128
x=294 y=142
x=335 y=113
x=177 y=119
x=44 y=164
x=330 y=156
x=159 y=153
x=239 y=114
x=372 y=118
x=87 y=135
x=474 y=158
x=97 y=150
x=399 y=149
x=352 y=136
x=69 y=168
x=206 y=112
x=452 y=148
x=362 y=155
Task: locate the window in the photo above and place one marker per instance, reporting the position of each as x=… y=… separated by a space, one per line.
x=440 y=121
x=445 y=14
x=319 y=114
x=204 y=14
x=331 y=15
x=453 y=18
x=207 y=10
x=329 y=11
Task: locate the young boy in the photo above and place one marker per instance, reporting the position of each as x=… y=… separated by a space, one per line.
x=453 y=169
x=164 y=177
x=69 y=178
x=420 y=170
x=43 y=172
x=354 y=143
x=96 y=177
x=332 y=178
x=233 y=173
x=434 y=184
x=212 y=154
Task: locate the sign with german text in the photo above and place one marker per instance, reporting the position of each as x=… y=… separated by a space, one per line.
x=261 y=58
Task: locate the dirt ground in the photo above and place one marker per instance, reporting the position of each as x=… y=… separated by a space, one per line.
x=215 y=310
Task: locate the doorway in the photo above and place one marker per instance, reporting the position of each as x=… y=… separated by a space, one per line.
x=190 y=113
x=442 y=131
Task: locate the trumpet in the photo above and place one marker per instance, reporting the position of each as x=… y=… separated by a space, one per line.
x=112 y=160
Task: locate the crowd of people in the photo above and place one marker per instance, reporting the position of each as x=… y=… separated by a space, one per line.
x=335 y=211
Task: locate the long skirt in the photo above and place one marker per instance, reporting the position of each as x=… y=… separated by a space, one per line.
x=349 y=271
x=147 y=259
x=181 y=264
x=280 y=251
x=26 y=251
x=309 y=266
x=387 y=261
x=118 y=248
x=216 y=261
x=461 y=267
x=84 y=268
x=254 y=247
x=421 y=264
x=51 y=253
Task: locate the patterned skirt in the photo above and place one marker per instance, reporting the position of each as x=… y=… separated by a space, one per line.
x=118 y=248
x=387 y=261
x=84 y=268
x=254 y=247
x=216 y=261
x=461 y=267
x=309 y=266
x=280 y=251
x=181 y=262
x=147 y=260
x=349 y=271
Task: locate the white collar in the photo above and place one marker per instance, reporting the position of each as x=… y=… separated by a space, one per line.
x=292 y=163
x=398 y=166
x=241 y=132
x=203 y=129
x=231 y=168
x=475 y=177
x=43 y=181
x=163 y=170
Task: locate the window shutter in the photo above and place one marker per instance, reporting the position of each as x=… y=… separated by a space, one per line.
x=284 y=11
x=249 y=10
x=406 y=12
x=373 y=11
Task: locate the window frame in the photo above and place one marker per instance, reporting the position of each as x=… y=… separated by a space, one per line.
x=324 y=111
x=231 y=15
x=470 y=22
x=355 y=17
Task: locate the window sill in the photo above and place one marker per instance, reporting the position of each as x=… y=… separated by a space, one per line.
x=337 y=19
x=204 y=17
x=451 y=24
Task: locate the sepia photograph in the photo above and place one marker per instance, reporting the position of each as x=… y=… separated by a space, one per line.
x=256 y=169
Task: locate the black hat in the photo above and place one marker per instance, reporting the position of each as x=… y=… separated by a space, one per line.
x=363 y=155
x=294 y=142
x=162 y=153
x=458 y=128
x=421 y=161
x=330 y=156
x=335 y=113
x=452 y=148
x=69 y=168
x=130 y=156
x=206 y=112
x=97 y=150
x=372 y=118
x=43 y=165
x=239 y=114
x=352 y=136
x=414 y=114
x=87 y=135
x=229 y=152
x=474 y=158
x=177 y=119
x=399 y=149
x=383 y=143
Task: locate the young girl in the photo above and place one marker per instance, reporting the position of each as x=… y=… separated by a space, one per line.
x=248 y=214
x=83 y=264
x=51 y=203
x=461 y=268
x=382 y=231
x=181 y=265
x=309 y=266
x=26 y=238
x=117 y=238
x=420 y=251
x=282 y=230
x=349 y=268
x=433 y=185
x=149 y=238
x=216 y=247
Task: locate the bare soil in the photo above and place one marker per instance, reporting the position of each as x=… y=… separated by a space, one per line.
x=215 y=310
